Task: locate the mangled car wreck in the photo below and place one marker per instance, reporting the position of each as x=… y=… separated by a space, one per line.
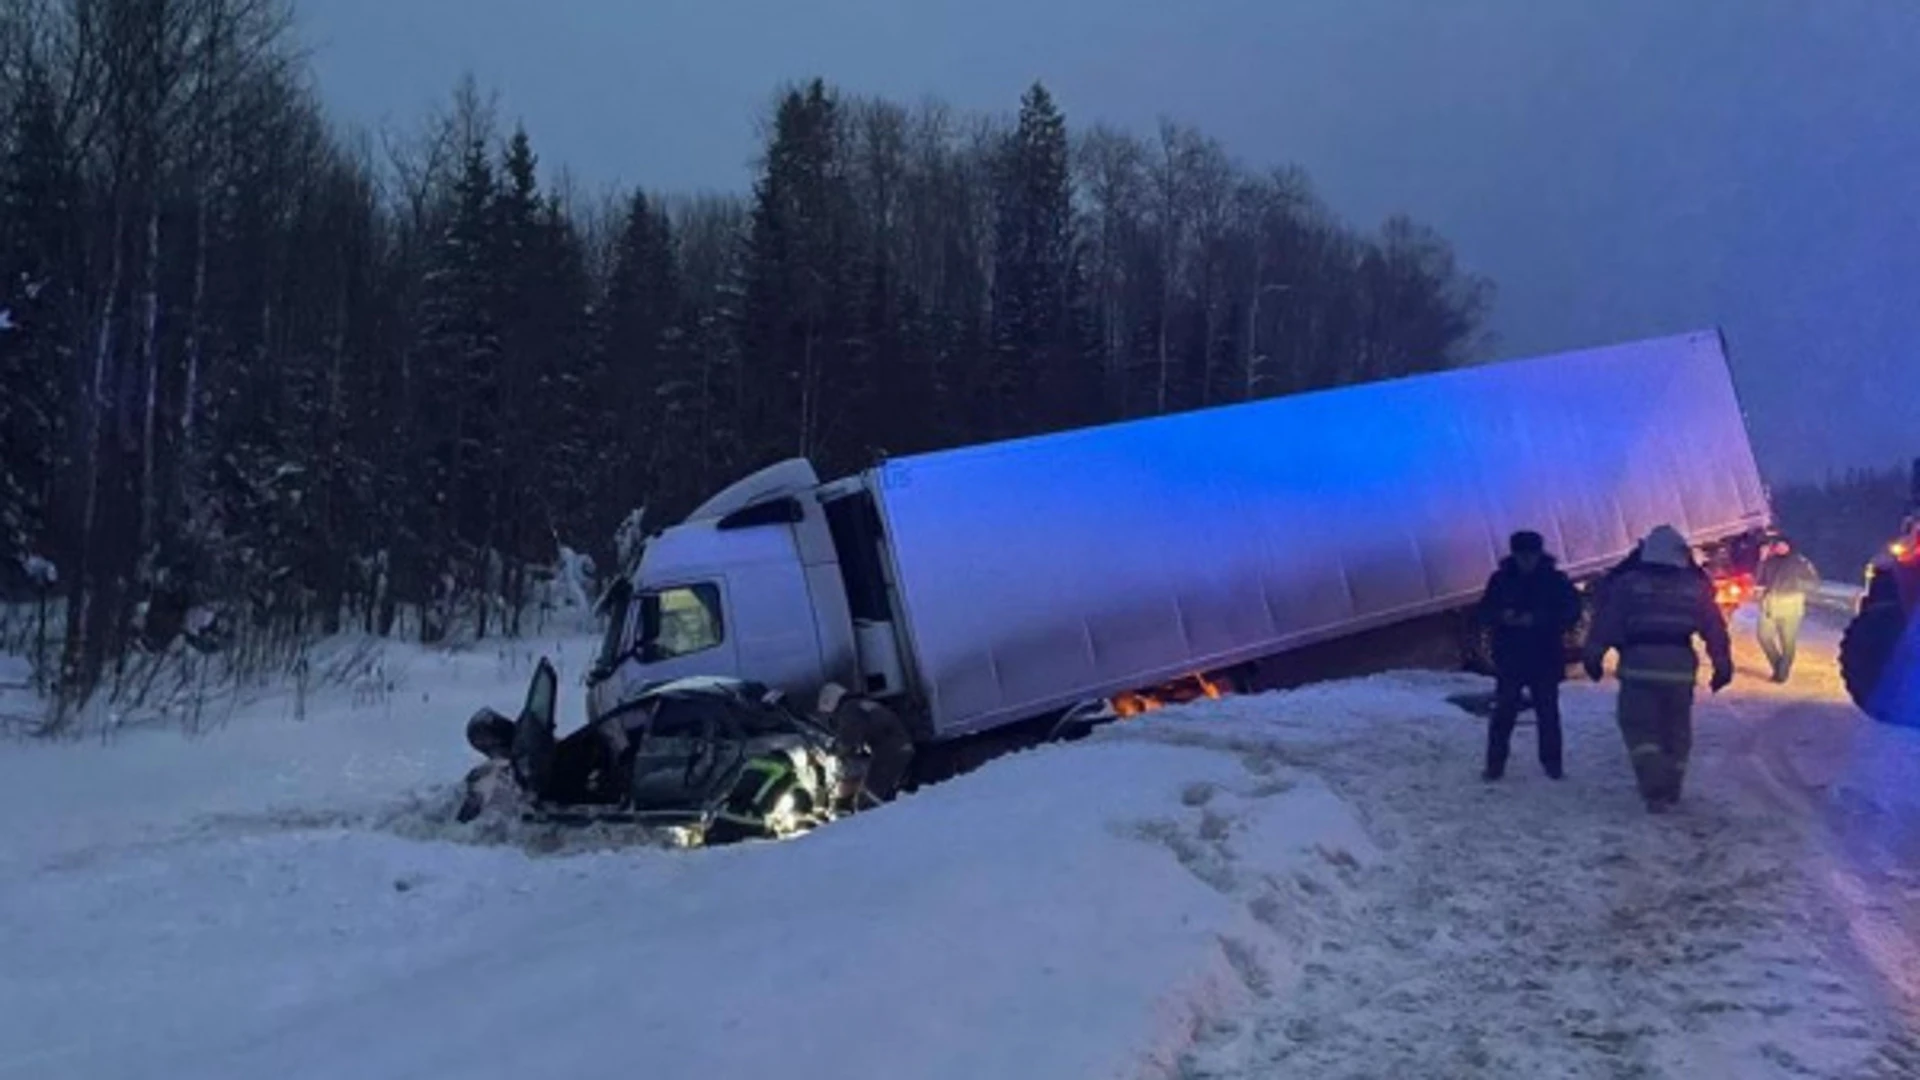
x=698 y=759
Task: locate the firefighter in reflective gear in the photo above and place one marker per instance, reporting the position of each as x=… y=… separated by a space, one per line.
x=1651 y=614
x=865 y=726
x=1785 y=578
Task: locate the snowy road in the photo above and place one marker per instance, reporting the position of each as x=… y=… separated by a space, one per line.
x=1312 y=885
x=1541 y=929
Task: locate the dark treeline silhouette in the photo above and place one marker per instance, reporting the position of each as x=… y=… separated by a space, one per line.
x=313 y=380
x=1844 y=522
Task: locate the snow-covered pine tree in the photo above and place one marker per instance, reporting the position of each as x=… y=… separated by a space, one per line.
x=949 y=214
x=39 y=271
x=1031 y=376
x=457 y=399
x=711 y=242
x=798 y=338
x=1109 y=169
x=678 y=403
x=520 y=262
x=641 y=335
x=556 y=426
x=893 y=411
x=300 y=371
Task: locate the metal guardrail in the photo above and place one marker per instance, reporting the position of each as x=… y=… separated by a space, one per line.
x=1834 y=596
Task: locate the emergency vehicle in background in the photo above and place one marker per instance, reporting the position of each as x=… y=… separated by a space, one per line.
x=1878 y=653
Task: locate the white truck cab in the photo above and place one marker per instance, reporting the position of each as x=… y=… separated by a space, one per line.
x=749 y=586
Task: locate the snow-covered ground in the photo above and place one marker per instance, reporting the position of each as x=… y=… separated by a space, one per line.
x=1312 y=884
x=1538 y=929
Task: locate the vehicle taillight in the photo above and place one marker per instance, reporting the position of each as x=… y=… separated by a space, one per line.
x=1732 y=591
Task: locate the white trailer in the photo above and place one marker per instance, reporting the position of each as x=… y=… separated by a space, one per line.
x=993 y=584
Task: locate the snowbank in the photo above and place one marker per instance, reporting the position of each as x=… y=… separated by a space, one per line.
x=1309 y=884
x=339 y=750
x=244 y=904
x=1047 y=917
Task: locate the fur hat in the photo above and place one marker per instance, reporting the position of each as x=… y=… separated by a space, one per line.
x=1527 y=542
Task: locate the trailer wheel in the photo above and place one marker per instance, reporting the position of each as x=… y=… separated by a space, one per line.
x=1865 y=651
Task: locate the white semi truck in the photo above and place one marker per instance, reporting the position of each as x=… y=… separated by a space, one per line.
x=990 y=585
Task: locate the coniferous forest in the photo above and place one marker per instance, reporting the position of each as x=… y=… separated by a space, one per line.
x=264 y=374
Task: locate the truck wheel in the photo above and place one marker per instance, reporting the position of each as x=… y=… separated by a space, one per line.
x=1865 y=651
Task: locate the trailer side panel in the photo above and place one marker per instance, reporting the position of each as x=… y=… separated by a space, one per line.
x=1046 y=571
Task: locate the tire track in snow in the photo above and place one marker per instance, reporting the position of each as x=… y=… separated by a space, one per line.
x=1529 y=928
x=1822 y=764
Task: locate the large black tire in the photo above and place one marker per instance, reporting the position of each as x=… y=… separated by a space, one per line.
x=1865 y=651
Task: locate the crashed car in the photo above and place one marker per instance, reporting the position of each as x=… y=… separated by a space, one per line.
x=703 y=760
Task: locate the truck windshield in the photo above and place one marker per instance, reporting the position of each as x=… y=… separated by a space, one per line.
x=680 y=621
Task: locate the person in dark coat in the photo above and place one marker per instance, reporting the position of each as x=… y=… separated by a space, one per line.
x=1631 y=562
x=1530 y=605
x=865 y=726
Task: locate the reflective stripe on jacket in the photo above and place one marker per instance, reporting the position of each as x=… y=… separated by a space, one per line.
x=1651 y=614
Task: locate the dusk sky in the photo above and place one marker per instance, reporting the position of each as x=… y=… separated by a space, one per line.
x=1619 y=168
